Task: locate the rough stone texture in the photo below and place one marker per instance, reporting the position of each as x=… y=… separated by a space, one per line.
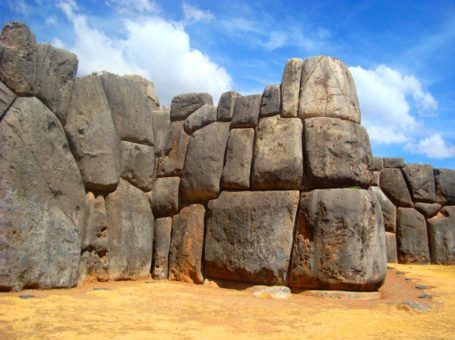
x=18 y=55
x=393 y=162
x=138 y=164
x=391 y=246
x=375 y=178
x=93 y=136
x=164 y=198
x=389 y=211
x=161 y=127
x=290 y=88
x=327 y=90
x=377 y=164
x=278 y=155
x=203 y=116
x=161 y=246
x=6 y=98
x=445 y=185
x=56 y=71
x=271 y=101
x=412 y=237
x=427 y=209
x=94 y=237
x=204 y=163
x=249 y=236
x=131 y=103
x=183 y=105
x=340 y=242
x=441 y=231
x=185 y=256
x=239 y=155
x=246 y=111
x=226 y=106
x=394 y=186
x=130 y=221
x=421 y=182
x=172 y=163
x=42 y=200
x=337 y=153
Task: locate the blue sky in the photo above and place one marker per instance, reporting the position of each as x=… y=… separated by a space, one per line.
x=401 y=53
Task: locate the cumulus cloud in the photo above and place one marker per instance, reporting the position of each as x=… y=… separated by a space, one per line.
x=433 y=146
x=138 y=6
x=192 y=14
x=152 y=47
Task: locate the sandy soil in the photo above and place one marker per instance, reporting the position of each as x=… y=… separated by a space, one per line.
x=136 y=310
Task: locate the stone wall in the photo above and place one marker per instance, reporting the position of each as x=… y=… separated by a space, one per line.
x=98 y=181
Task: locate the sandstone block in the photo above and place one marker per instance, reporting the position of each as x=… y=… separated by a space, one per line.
x=427 y=209
x=203 y=116
x=412 y=237
x=161 y=246
x=421 y=182
x=185 y=104
x=445 y=185
x=164 y=198
x=271 y=101
x=394 y=186
x=290 y=88
x=172 y=163
x=226 y=106
x=246 y=111
x=391 y=246
x=162 y=128
x=138 y=164
x=441 y=231
x=389 y=211
x=6 y=98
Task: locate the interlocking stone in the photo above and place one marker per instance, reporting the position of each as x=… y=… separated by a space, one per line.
x=246 y=112
x=290 y=88
x=394 y=186
x=185 y=104
x=412 y=237
x=226 y=105
x=171 y=164
x=161 y=246
x=271 y=101
x=441 y=231
x=445 y=185
x=421 y=182
x=164 y=198
x=138 y=164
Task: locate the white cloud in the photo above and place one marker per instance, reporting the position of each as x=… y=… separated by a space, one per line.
x=276 y=39
x=433 y=146
x=134 y=6
x=192 y=14
x=18 y=6
x=152 y=47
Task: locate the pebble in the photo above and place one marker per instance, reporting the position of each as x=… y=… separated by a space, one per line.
x=26 y=296
x=425 y=296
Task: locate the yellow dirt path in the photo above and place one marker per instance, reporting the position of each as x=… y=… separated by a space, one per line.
x=163 y=310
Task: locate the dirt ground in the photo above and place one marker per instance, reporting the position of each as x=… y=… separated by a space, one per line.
x=163 y=310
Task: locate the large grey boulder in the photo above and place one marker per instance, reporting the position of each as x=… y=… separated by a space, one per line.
x=164 y=198
x=327 y=90
x=249 y=236
x=131 y=99
x=337 y=153
x=204 y=163
x=290 y=88
x=391 y=247
x=389 y=211
x=42 y=200
x=185 y=255
x=239 y=155
x=421 y=182
x=130 y=230
x=161 y=246
x=185 y=104
x=6 y=98
x=271 y=101
x=171 y=164
x=412 y=237
x=441 y=232
x=445 y=185
x=393 y=162
x=246 y=111
x=278 y=155
x=339 y=242
x=138 y=164
x=226 y=106
x=427 y=209
x=93 y=136
x=394 y=186
x=203 y=116
x=162 y=129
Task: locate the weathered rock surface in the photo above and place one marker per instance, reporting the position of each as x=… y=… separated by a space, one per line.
x=393 y=162
x=161 y=128
x=246 y=111
x=421 y=182
x=389 y=211
x=337 y=153
x=391 y=247
x=377 y=164
x=249 y=236
x=441 y=232
x=164 y=198
x=131 y=102
x=130 y=221
x=161 y=246
x=93 y=136
x=271 y=101
x=138 y=164
x=339 y=241
x=445 y=185
x=427 y=209
x=327 y=90
x=6 y=98
x=183 y=105
x=394 y=186
x=239 y=155
x=412 y=237
x=290 y=88
x=185 y=256
x=226 y=106
x=203 y=116
x=204 y=163
x=278 y=155
x=172 y=163
x=42 y=200
x=375 y=178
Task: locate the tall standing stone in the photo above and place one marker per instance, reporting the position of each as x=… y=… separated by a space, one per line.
x=290 y=88
x=161 y=246
x=389 y=211
x=391 y=247
x=441 y=231
x=412 y=237
x=161 y=127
